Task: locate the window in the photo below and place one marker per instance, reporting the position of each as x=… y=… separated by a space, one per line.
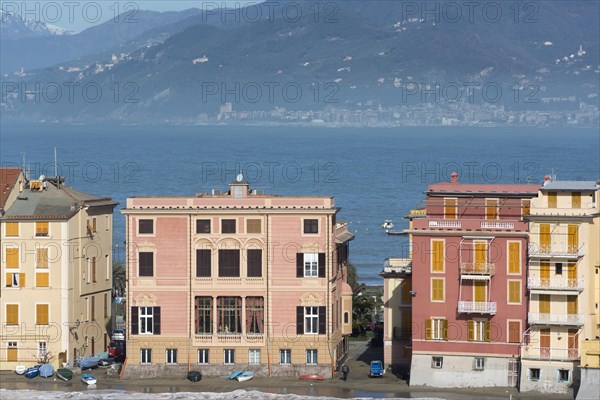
x=558 y=268
x=42 y=279
x=203 y=226
x=563 y=375
x=229 y=263
x=253 y=226
x=576 y=200
x=450 y=209
x=285 y=356
x=478 y=330
x=514 y=331
x=437 y=258
x=93 y=307
x=12 y=314
x=171 y=356
x=255 y=315
x=437 y=289
x=228 y=226
x=491 y=209
x=203 y=308
x=479 y=363
x=229 y=356
x=311 y=265
x=146 y=356
x=41 y=228
x=436 y=329
x=437 y=362
x=311 y=357
x=41 y=314
x=525 y=207
x=203 y=356
x=12 y=257
x=544 y=238
x=42 y=349
x=14 y=279
x=254 y=263
x=229 y=312
x=254 y=357
x=203 y=263
x=105 y=305
x=146 y=263
x=12 y=229
x=552 y=199
x=311 y=226
x=311 y=320
x=514 y=292
x=146 y=227
x=238 y=192
x=514 y=257
x=573 y=239
x=534 y=374
x=94 y=269
x=346 y=317
x=145 y=320
x=42 y=258
x=12 y=351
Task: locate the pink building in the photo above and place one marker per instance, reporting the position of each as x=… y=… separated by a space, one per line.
x=469 y=258
x=236 y=280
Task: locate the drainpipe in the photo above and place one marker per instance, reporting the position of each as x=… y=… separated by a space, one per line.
x=267 y=309
x=190 y=292
x=328 y=309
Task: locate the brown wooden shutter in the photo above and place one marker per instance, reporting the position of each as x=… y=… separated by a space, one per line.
x=488 y=331
x=203 y=263
x=229 y=263
x=156 y=320
x=321 y=265
x=428 y=329
x=254 y=263
x=299 y=320
x=22 y=280
x=146 y=264
x=134 y=320
x=470 y=330
x=445 y=329
x=322 y=321
x=299 y=265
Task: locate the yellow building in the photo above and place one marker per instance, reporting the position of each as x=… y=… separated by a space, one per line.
x=56 y=272
x=562 y=284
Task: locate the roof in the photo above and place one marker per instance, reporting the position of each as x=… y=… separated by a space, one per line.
x=481 y=189
x=8 y=179
x=53 y=203
x=571 y=185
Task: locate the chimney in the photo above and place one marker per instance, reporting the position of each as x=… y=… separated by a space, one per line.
x=547 y=179
x=454 y=177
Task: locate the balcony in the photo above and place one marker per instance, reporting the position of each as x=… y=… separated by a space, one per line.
x=477 y=307
x=549 y=354
x=497 y=225
x=470 y=224
x=445 y=224
x=555 y=319
x=400 y=266
x=555 y=284
x=483 y=269
x=548 y=251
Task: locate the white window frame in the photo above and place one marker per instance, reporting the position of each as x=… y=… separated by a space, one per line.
x=437 y=328
x=285 y=357
x=254 y=356
x=559 y=380
x=311 y=320
x=146 y=356
x=311 y=265
x=42 y=349
x=479 y=363
x=530 y=377
x=228 y=356
x=171 y=356
x=146 y=317
x=437 y=362
x=312 y=357
x=203 y=356
x=479 y=330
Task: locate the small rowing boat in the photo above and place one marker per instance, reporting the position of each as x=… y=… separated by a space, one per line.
x=236 y=374
x=65 y=374
x=20 y=370
x=46 y=371
x=313 y=377
x=246 y=376
x=89 y=379
x=32 y=372
x=88 y=362
x=194 y=376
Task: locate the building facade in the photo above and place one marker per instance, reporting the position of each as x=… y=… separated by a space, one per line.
x=562 y=283
x=469 y=259
x=236 y=280
x=56 y=273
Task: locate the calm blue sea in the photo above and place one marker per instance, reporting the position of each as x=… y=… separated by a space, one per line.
x=374 y=174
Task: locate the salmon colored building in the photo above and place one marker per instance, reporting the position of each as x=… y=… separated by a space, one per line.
x=236 y=280
x=469 y=276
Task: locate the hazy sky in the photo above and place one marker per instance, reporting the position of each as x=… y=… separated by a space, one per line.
x=77 y=15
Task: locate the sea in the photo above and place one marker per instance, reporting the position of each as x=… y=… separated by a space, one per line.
x=375 y=174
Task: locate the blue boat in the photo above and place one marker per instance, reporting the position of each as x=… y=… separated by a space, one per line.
x=88 y=379
x=32 y=372
x=46 y=371
x=88 y=362
x=236 y=374
x=246 y=376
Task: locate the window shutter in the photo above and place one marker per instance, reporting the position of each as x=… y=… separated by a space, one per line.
x=470 y=330
x=156 y=319
x=299 y=265
x=428 y=329
x=134 y=321
x=445 y=329
x=203 y=263
x=254 y=263
x=488 y=331
x=21 y=280
x=321 y=265
x=8 y=282
x=322 y=321
x=299 y=320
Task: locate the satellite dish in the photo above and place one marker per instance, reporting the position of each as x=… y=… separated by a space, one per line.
x=42 y=177
x=240 y=177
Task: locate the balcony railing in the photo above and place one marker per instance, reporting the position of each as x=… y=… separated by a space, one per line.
x=555 y=284
x=548 y=353
x=477 y=268
x=555 y=319
x=449 y=223
x=497 y=225
x=397 y=265
x=481 y=307
x=545 y=250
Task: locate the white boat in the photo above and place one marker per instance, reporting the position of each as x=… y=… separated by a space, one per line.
x=388 y=225
x=20 y=369
x=246 y=376
x=89 y=379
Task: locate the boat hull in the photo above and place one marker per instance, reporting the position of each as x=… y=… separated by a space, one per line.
x=20 y=370
x=88 y=379
x=245 y=377
x=64 y=374
x=311 y=377
x=194 y=376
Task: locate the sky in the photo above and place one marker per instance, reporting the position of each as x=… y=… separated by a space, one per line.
x=77 y=15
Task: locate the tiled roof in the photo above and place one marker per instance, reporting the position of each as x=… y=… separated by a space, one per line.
x=489 y=188
x=8 y=179
x=571 y=185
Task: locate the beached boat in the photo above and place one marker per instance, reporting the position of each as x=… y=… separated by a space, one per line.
x=20 y=369
x=32 y=372
x=236 y=374
x=194 y=376
x=107 y=361
x=246 y=376
x=88 y=362
x=46 y=371
x=89 y=379
x=313 y=377
x=65 y=374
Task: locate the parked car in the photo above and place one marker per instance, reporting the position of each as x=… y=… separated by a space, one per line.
x=376 y=369
x=118 y=334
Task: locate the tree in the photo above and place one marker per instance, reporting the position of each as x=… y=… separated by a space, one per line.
x=119 y=278
x=365 y=309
